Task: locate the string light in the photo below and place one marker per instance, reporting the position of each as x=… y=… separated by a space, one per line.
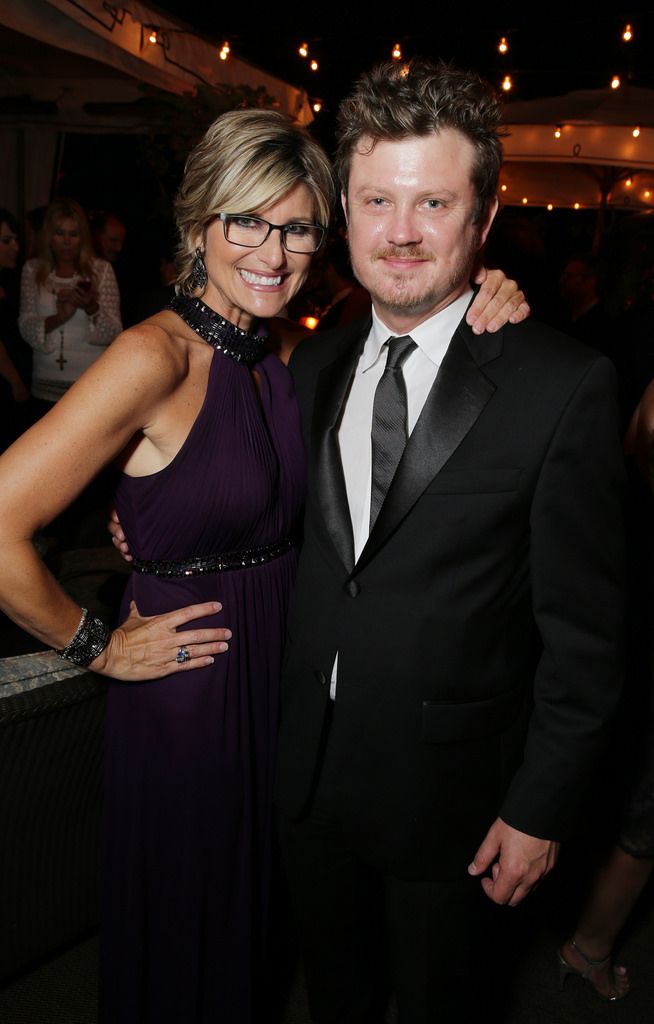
x=627 y=35
x=557 y=132
x=225 y=51
x=317 y=107
x=615 y=82
x=577 y=206
x=314 y=65
x=309 y=321
x=503 y=46
x=504 y=188
x=647 y=193
x=524 y=200
x=636 y=132
x=507 y=84
x=550 y=207
x=396 y=52
x=153 y=37
x=303 y=49
x=628 y=183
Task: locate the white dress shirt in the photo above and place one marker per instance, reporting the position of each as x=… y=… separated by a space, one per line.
x=432 y=338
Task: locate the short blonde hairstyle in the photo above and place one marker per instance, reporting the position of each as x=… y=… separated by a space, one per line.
x=248 y=160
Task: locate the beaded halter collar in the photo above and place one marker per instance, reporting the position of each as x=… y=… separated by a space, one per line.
x=242 y=346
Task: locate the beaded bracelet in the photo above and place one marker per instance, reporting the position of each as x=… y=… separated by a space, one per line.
x=89 y=639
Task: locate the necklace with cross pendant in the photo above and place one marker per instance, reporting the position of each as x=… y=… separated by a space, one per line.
x=60 y=358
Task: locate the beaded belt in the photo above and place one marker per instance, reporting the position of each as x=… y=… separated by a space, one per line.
x=215 y=563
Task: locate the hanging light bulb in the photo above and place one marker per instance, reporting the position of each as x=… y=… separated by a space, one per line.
x=615 y=82
x=577 y=206
x=628 y=183
x=225 y=51
x=314 y=65
x=647 y=193
x=557 y=132
x=636 y=132
x=153 y=37
x=503 y=188
x=550 y=207
x=503 y=46
x=317 y=107
x=396 y=52
x=507 y=83
x=303 y=49
x=628 y=34
x=524 y=200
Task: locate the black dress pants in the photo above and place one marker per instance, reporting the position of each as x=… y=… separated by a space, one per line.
x=365 y=933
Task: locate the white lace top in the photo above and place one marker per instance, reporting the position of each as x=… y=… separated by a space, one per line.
x=61 y=356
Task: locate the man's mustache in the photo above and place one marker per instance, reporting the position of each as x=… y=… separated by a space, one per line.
x=406 y=252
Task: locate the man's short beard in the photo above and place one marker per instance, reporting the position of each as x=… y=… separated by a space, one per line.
x=415 y=305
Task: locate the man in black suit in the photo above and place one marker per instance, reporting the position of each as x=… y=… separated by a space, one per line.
x=453 y=649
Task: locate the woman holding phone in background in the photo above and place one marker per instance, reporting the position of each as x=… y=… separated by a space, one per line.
x=69 y=302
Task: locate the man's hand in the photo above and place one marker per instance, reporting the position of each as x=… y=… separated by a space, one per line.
x=518 y=862
x=499 y=299
x=118 y=538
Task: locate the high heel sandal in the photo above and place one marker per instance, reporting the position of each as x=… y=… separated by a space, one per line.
x=565 y=969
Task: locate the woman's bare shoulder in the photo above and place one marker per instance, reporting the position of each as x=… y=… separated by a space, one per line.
x=155 y=347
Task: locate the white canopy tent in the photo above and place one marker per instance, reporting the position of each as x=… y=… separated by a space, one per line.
x=77 y=65
x=591 y=148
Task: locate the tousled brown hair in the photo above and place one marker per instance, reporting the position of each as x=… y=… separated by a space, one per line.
x=397 y=101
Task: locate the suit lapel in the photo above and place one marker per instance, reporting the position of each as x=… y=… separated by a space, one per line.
x=459 y=394
x=332 y=388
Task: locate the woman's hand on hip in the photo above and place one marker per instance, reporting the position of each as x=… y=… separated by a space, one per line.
x=150 y=647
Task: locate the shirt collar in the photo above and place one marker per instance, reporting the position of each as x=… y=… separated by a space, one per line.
x=432 y=336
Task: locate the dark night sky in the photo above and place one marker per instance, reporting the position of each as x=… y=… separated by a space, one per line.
x=545 y=57
x=577 y=51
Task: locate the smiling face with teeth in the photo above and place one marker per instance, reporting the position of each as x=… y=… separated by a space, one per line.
x=250 y=284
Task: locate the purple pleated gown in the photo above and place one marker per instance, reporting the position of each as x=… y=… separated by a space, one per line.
x=190 y=757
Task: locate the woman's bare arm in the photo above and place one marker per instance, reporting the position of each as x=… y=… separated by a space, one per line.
x=125 y=391
x=639 y=440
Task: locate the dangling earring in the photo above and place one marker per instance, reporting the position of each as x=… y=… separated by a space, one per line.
x=199 y=271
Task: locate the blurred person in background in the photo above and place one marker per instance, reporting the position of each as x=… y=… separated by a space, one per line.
x=69 y=303
x=14 y=354
x=109 y=234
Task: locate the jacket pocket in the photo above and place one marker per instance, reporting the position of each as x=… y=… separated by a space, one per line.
x=471 y=720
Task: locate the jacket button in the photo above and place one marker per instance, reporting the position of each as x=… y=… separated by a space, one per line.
x=321 y=677
x=352 y=588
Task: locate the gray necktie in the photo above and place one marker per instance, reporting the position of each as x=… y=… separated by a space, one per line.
x=389 y=422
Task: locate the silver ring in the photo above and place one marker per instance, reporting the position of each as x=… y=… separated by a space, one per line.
x=182 y=655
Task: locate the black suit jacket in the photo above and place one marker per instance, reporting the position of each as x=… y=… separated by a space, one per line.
x=478 y=633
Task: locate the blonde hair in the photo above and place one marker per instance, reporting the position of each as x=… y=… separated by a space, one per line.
x=248 y=160
x=59 y=210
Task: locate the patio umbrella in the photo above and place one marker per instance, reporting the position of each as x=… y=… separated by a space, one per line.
x=590 y=148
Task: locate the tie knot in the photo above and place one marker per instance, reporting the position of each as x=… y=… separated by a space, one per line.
x=399 y=349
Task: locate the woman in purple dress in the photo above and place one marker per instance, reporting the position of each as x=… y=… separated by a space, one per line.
x=202 y=421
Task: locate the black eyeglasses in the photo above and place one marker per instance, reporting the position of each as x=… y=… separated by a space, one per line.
x=251 y=232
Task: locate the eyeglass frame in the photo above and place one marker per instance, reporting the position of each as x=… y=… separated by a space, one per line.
x=226 y=217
